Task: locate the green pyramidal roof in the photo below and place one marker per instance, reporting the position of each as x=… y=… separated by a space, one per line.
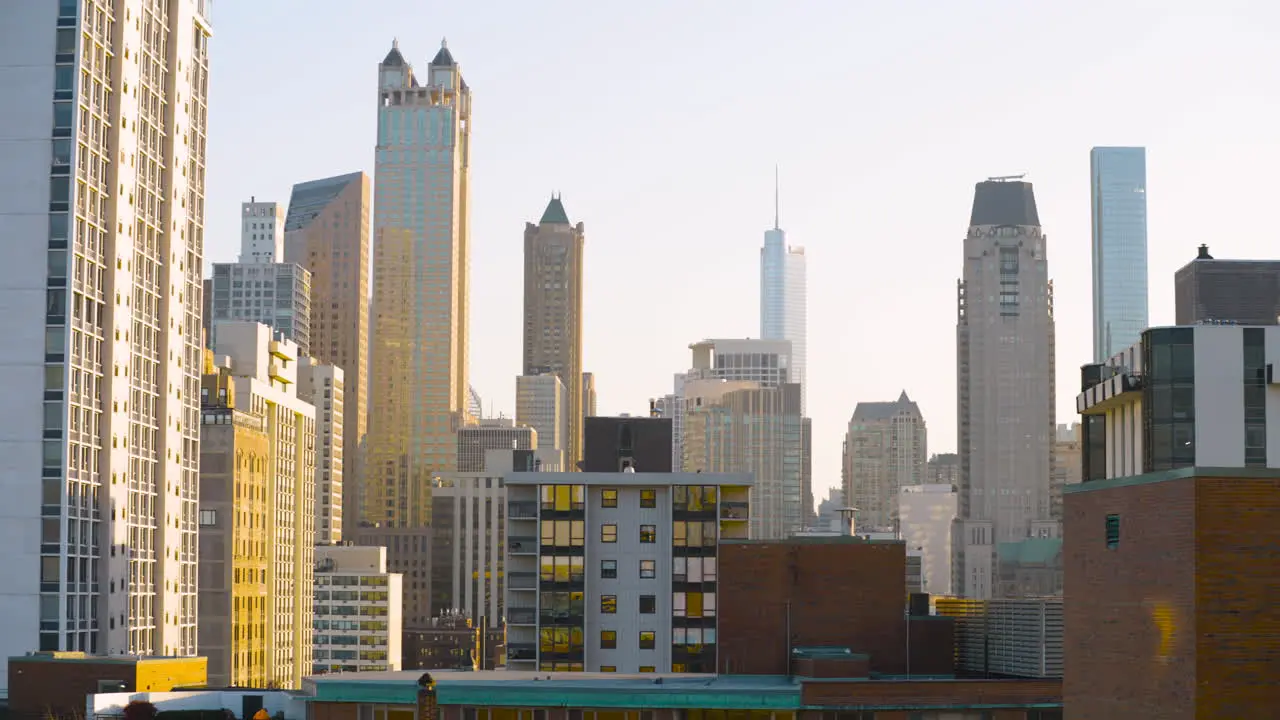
x=554 y=213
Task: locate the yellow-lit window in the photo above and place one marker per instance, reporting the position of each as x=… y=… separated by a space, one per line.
x=563 y=502
x=608 y=639
x=648 y=533
x=648 y=498
x=608 y=604
x=647 y=668
x=647 y=639
x=679 y=534
x=677 y=667
x=693 y=605
x=609 y=533
x=608 y=668
x=609 y=498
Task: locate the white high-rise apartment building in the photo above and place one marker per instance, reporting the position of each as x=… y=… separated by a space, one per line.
x=542 y=403
x=324 y=386
x=358 y=617
x=784 y=297
x=102 y=140
x=261 y=232
x=1004 y=384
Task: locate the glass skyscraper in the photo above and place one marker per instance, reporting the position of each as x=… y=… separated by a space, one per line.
x=783 y=298
x=1118 y=179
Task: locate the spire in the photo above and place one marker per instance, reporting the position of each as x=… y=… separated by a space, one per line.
x=444 y=57
x=554 y=214
x=394 y=58
x=776 y=201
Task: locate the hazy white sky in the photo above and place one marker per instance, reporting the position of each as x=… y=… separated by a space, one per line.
x=660 y=122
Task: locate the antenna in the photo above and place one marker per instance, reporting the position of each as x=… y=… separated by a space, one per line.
x=776 y=201
x=1006 y=178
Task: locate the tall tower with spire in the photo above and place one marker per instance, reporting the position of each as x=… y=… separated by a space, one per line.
x=418 y=383
x=783 y=293
x=553 y=311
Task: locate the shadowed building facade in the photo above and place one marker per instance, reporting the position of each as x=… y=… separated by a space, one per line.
x=1004 y=382
x=419 y=394
x=326 y=231
x=553 y=310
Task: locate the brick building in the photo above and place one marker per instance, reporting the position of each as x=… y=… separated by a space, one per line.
x=831 y=591
x=1171 y=586
x=51 y=685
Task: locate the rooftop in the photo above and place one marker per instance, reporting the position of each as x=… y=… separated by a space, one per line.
x=636 y=479
x=1231 y=473
x=555 y=213
x=553 y=689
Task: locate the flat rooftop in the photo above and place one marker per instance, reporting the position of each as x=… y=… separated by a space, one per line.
x=563 y=689
x=624 y=479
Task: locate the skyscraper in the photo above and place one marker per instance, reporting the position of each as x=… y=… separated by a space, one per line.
x=1240 y=292
x=542 y=403
x=326 y=231
x=1004 y=382
x=418 y=380
x=783 y=297
x=553 y=309
x=103 y=205
x=885 y=450
x=1118 y=188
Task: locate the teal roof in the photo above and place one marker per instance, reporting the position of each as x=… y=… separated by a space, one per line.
x=508 y=688
x=1032 y=551
x=554 y=213
x=1236 y=473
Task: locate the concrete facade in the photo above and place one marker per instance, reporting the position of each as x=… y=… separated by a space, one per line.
x=368 y=640
x=100 y=303
x=885 y=450
x=1005 y=382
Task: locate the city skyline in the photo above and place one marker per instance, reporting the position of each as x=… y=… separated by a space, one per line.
x=854 y=203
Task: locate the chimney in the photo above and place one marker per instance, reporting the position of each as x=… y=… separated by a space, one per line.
x=1204 y=253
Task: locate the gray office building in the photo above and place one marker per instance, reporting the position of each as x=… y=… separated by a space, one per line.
x=1238 y=292
x=1004 y=383
x=1118 y=191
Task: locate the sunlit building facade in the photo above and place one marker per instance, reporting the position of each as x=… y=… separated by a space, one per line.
x=419 y=394
x=103 y=170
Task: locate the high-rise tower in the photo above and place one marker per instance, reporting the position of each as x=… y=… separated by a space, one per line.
x=419 y=393
x=885 y=450
x=1118 y=189
x=1004 y=382
x=783 y=295
x=103 y=131
x=327 y=232
x=553 y=309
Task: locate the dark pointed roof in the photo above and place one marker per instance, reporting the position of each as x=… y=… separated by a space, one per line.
x=444 y=57
x=1003 y=202
x=872 y=411
x=394 y=58
x=554 y=213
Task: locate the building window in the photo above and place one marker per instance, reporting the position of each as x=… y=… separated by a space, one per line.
x=694 y=604
x=1113 y=532
x=678 y=667
x=648 y=604
x=648 y=498
x=647 y=669
x=648 y=533
x=609 y=533
x=609 y=498
x=646 y=640
x=608 y=568
x=608 y=639
x=648 y=569
x=608 y=668
x=208 y=518
x=609 y=604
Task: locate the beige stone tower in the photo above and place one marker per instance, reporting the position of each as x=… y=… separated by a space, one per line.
x=553 y=309
x=326 y=231
x=418 y=379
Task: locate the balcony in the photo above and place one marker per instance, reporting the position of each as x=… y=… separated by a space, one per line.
x=522 y=545
x=522 y=511
x=522 y=580
x=735 y=511
x=522 y=651
x=522 y=616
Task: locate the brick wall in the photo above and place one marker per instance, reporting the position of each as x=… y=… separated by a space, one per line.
x=844 y=594
x=39 y=688
x=1129 y=623
x=933 y=693
x=1237 y=525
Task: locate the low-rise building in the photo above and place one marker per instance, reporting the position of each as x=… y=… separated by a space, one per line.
x=358 y=611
